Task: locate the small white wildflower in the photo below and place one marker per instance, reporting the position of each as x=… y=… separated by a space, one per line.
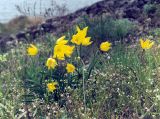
x=158 y=97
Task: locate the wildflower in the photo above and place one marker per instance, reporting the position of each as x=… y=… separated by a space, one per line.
x=51 y=63
x=105 y=46
x=3 y=58
x=158 y=97
x=62 y=49
x=80 y=38
x=70 y=68
x=146 y=44
x=51 y=86
x=32 y=50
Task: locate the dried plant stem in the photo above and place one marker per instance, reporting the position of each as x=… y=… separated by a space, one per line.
x=146 y=112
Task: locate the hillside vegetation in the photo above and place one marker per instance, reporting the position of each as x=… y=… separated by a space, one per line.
x=101 y=67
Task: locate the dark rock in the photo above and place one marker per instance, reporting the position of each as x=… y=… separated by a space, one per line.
x=47 y=27
x=21 y=35
x=49 y=20
x=156 y=21
x=141 y=3
x=32 y=27
x=4 y=40
x=132 y=13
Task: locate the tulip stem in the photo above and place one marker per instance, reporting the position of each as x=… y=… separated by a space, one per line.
x=83 y=79
x=84 y=94
x=92 y=64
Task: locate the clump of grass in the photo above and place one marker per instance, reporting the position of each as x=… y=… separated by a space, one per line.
x=156 y=32
x=148 y=8
x=152 y=10
x=19 y=24
x=103 y=28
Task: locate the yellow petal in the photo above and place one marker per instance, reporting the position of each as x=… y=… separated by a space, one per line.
x=51 y=63
x=62 y=41
x=78 y=29
x=84 y=32
x=76 y=39
x=70 y=68
x=86 y=41
x=59 y=52
x=32 y=50
x=105 y=46
x=68 y=50
x=146 y=44
x=51 y=86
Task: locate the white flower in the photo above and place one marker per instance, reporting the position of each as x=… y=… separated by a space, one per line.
x=158 y=97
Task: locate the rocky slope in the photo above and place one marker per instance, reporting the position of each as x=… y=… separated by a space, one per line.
x=131 y=9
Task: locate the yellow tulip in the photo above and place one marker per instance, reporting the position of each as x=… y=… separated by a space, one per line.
x=146 y=44
x=80 y=37
x=105 y=46
x=51 y=63
x=51 y=86
x=70 y=68
x=32 y=50
x=62 y=49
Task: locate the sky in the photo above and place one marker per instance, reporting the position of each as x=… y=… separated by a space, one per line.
x=8 y=9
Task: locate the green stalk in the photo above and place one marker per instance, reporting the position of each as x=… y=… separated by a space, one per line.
x=92 y=64
x=83 y=79
x=90 y=68
x=25 y=91
x=84 y=93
